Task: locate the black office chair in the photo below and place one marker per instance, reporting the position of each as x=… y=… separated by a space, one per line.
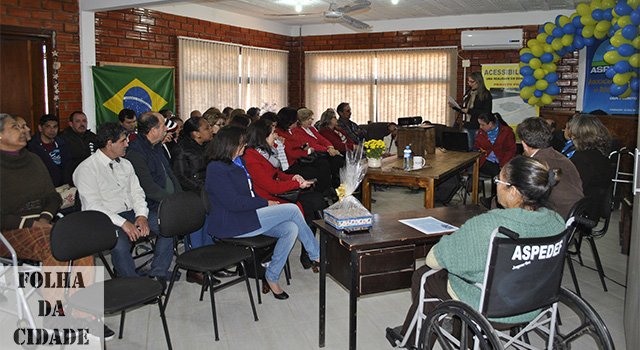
x=183 y=213
x=85 y=233
x=254 y=244
x=580 y=209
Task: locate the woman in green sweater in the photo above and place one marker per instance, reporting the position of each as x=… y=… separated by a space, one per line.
x=523 y=187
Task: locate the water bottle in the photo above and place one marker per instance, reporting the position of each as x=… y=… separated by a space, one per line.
x=407 y=158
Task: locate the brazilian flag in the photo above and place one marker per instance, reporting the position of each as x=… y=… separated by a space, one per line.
x=136 y=88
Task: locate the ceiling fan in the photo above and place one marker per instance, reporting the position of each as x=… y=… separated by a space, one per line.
x=336 y=12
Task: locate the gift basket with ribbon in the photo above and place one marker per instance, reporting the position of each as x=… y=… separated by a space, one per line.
x=348 y=213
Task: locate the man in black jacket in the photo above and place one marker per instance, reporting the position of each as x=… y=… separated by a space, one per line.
x=81 y=141
x=52 y=150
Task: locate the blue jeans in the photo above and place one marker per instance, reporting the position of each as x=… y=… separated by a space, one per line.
x=121 y=254
x=200 y=237
x=284 y=221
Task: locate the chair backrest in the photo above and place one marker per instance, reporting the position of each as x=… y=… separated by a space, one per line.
x=522 y=274
x=81 y=234
x=181 y=213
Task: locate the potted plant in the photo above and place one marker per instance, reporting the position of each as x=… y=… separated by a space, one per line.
x=374 y=150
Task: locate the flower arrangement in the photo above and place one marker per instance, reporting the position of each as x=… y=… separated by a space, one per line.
x=374 y=148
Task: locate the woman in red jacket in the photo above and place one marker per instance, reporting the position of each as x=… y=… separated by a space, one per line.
x=330 y=130
x=497 y=142
x=263 y=167
x=300 y=155
x=310 y=135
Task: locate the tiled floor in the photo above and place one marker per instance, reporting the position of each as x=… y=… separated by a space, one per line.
x=293 y=324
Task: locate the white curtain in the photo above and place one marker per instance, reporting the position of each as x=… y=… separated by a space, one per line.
x=264 y=78
x=209 y=74
x=383 y=85
x=335 y=77
x=416 y=83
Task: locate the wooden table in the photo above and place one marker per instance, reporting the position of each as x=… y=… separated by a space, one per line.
x=382 y=259
x=439 y=167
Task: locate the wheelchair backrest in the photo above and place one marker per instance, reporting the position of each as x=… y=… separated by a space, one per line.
x=522 y=274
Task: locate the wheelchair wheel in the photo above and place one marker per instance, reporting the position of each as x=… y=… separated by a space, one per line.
x=456 y=325
x=581 y=325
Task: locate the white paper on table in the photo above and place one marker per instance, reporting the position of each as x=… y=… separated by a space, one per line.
x=428 y=225
x=453 y=102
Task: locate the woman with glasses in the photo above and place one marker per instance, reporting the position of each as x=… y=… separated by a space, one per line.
x=330 y=130
x=524 y=185
x=215 y=118
x=476 y=100
x=241 y=212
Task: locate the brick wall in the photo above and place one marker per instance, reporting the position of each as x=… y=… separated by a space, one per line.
x=567 y=67
x=151 y=37
x=61 y=16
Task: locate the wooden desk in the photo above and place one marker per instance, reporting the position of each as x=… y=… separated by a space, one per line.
x=381 y=260
x=439 y=167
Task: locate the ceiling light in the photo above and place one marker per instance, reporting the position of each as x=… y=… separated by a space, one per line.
x=298 y=8
x=395 y=2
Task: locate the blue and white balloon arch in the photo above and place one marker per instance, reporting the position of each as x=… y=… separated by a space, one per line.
x=607 y=18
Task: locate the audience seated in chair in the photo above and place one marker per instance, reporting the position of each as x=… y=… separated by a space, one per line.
x=107 y=183
x=355 y=133
x=81 y=141
x=329 y=129
x=52 y=150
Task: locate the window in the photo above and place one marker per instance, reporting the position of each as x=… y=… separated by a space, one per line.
x=214 y=74
x=384 y=85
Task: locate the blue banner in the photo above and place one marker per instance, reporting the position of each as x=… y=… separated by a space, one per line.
x=596 y=87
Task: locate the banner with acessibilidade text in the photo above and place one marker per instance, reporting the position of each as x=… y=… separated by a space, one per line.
x=137 y=88
x=503 y=81
x=597 y=84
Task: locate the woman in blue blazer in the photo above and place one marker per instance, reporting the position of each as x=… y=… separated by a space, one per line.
x=236 y=211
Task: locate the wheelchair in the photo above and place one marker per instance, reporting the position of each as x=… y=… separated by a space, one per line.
x=516 y=282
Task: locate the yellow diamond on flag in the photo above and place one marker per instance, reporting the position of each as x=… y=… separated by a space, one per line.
x=136 y=96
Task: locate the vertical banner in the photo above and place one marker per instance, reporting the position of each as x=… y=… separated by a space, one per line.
x=597 y=84
x=136 y=88
x=503 y=80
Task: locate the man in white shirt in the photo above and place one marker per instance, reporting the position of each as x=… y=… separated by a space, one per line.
x=106 y=182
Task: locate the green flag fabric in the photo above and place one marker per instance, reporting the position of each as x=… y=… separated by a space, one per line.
x=136 y=88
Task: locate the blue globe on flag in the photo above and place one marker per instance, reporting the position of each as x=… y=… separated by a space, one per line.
x=137 y=99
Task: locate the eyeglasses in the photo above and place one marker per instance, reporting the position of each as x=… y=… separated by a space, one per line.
x=471 y=81
x=497 y=180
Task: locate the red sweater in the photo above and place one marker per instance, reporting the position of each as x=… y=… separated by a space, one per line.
x=266 y=178
x=504 y=148
x=335 y=139
x=292 y=145
x=319 y=143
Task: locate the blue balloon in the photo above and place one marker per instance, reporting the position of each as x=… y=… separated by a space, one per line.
x=612 y=32
x=541 y=30
x=551 y=77
x=622 y=9
x=537 y=93
x=526 y=57
x=549 y=39
x=529 y=80
x=552 y=90
x=589 y=41
x=579 y=31
x=608 y=14
x=597 y=14
x=626 y=50
x=610 y=73
x=630 y=31
x=561 y=52
x=526 y=70
x=546 y=57
x=557 y=20
x=570 y=48
x=617 y=90
x=576 y=22
x=616 y=27
x=633 y=83
x=635 y=17
x=569 y=28
x=521 y=85
x=526 y=100
x=622 y=66
x=557 y=32
x=611 y=48
x=578 y=42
